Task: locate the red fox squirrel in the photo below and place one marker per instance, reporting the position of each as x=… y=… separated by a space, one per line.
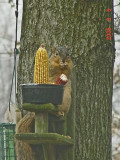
x=60 y=63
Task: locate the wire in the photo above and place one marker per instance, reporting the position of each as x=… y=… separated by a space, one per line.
x=15 y=53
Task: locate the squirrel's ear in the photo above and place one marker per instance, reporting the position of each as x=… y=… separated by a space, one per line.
x=53 y=50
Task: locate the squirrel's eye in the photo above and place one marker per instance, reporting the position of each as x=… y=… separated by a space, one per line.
x=57 y=54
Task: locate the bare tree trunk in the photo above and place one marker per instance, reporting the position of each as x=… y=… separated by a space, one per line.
x=82 y=26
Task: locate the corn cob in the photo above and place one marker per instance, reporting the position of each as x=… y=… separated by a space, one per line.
x=41 y=68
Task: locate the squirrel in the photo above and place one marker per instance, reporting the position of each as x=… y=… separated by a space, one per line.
x=60 y=63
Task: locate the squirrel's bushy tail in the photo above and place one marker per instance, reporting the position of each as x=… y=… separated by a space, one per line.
x=25 y=125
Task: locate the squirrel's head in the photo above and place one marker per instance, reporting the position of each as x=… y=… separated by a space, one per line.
x=62 y=55
x=62 y=52
x=60 y=59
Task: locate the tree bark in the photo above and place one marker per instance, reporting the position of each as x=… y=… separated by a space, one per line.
x=81 y=25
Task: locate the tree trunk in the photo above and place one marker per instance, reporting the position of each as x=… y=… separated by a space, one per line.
x=81 y=25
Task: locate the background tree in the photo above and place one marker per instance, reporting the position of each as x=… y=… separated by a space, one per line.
x=82 y=26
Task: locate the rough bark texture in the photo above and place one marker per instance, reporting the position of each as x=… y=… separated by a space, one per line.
x=82 y=26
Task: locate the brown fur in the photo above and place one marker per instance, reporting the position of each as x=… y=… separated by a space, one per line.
x=25 y=125
x=61 y=63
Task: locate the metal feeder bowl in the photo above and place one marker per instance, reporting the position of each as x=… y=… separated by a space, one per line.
x=42 y=93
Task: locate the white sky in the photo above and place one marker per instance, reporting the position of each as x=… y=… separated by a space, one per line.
x=7 y=25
